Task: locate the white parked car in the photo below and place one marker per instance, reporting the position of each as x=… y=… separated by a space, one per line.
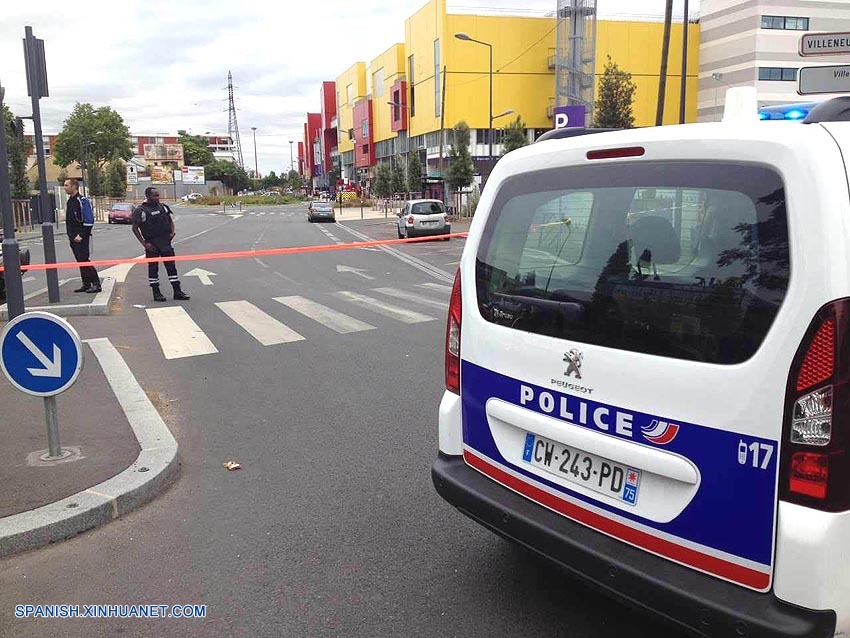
x=191 y=197
x=648 y=369
x=423 y=217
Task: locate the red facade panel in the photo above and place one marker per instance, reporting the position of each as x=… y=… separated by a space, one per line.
x=364 y=149
x=328 y=99
x=301 y=157
x=314 y=130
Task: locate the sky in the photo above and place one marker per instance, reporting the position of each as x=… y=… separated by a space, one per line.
x=163 y=64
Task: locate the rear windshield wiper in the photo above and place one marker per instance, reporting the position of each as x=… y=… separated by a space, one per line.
x=571 y=310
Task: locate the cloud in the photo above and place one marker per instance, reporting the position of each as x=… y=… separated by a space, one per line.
x=163 y=64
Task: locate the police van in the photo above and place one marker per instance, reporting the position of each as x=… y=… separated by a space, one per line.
x=648 y=369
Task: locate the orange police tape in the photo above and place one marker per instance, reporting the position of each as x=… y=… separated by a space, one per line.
x=266 y=252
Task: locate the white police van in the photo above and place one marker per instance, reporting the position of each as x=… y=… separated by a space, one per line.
x=648 y=369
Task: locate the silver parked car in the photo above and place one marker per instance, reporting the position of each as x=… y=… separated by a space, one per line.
x=321 y=211
x=423 y=217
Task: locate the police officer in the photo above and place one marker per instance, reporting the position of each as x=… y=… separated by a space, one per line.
x=79 y=235
x=153 y=225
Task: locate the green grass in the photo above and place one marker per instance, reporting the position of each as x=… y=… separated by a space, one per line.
x=253 y=200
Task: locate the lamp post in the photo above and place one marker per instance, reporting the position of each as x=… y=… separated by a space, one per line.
x=256 y=170
x=718 y=80
x=465 y=37
x=291 y=159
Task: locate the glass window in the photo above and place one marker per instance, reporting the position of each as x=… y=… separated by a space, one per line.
x=365 y=129
x=679 y=259
x=427 y=208
x=785 y=22
x=777 y=74
x=412 y=81
x=378 y=83
x=437 y=79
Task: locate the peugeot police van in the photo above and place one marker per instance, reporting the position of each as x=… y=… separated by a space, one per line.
x=648 y=369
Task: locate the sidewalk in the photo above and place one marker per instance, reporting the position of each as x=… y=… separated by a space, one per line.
x=71 y=304
x=122 y=454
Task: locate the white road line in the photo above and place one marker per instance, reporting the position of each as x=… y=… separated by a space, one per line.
x=261 y=262
x=336 y=321
x=178 y=335
x=118 y=272
x=411 y=296
x=439 y=287
x=388 y=310
x=263 y=327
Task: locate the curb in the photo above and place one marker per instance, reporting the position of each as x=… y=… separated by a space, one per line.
x=99 y=306
x=153 y=470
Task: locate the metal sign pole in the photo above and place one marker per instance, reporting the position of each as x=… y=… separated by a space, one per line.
x=37 y=84
x=52 y=418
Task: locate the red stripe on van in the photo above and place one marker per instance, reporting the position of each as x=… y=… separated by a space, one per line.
x=685 y=555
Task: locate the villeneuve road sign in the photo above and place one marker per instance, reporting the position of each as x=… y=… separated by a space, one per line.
x=825 y=44
x=40 y=353
x=824 y=79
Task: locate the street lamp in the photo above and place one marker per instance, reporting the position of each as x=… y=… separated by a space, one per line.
x=256 y=170
x=718 y=80
x=465 y=37
x=291 y=160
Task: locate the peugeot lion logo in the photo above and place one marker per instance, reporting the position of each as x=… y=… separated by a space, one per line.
x=573 y=360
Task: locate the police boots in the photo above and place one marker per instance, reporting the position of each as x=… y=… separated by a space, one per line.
x=179 y=295
x=157 y=295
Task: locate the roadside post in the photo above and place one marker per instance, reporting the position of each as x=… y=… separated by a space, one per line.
x=11 y=250
x=42 y=355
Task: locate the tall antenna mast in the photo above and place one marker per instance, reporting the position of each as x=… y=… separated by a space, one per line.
x=232 y=125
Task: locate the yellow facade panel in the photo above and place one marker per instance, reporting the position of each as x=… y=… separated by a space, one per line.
x=350 y=87
x=385 y=70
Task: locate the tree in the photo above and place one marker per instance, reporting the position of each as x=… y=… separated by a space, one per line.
x=515 y=136
x=270 y=180
x=414 y=172
x=17 y=152
x=382 y=186
x=294 y=181
x=398 y=181
x=461 y=171
x=96 y=181
x=116 y=179
x=228 y=173
x=196 y=149
x=616 y=93
x=96 y=135
x=62 y=176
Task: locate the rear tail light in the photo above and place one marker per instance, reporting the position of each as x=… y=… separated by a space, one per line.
x=446 y=218
x=453 y=338
x=410 y=219
x=815 y=470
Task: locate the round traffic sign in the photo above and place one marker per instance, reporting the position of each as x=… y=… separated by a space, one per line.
x=40 y=353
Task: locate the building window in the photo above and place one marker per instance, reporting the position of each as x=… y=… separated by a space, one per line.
x=349 y=92
x=777 y=74
x=160 y=140
x=412 y=108
x=365 y=149
x=787 y=23
x=396 y=105
x=378 y=83
x=437 y=79
x=365 y=129
x=151 y=140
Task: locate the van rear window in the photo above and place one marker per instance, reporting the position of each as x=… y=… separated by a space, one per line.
x=678 y=259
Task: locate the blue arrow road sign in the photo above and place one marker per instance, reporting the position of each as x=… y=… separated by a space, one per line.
x=40 y=353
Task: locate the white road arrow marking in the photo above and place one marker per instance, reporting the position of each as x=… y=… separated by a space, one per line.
x=356 y=271
x=203 y=275
x=51 y=369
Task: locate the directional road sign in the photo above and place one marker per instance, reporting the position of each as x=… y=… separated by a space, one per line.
x=40 y=353
x=825 y=44
x=824 y=79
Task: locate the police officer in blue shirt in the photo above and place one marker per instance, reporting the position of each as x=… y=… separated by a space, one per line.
x=153 y=225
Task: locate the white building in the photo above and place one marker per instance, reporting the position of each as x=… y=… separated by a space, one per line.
x=756 y=43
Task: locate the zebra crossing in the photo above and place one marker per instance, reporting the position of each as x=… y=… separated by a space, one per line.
x=180 y=337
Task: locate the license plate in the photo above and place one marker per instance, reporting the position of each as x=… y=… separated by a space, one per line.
x=430 y=223
x=591 y=471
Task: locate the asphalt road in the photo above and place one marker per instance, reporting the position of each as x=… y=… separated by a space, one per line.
x=332 y=527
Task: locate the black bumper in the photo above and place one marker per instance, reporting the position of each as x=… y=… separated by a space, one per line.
x=696 y=602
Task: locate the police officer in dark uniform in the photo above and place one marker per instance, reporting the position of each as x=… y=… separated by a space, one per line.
x=153 y=225
x=80 y=236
